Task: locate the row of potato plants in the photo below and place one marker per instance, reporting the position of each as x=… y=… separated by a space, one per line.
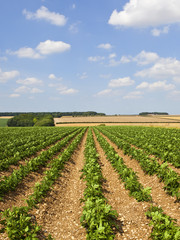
x=164 y=227
x=150 y=166
x=10 y=183
x=17 y=139
x=98 y=217
x=127 y=175
x=18 y=222
x=32 y=147
x=160 y=142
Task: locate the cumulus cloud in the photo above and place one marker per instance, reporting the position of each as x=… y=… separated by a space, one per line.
x=5 y=76
x=50 y=47
x=125 y=59
x=30 y=81
x=104 y=92
x=67 y=91
x=25 y=89
x=62 y=89
x=106 y=46
x=159 y=85
x=163 y=68
x=133 y=95
x=121 y=82
x=44 y=48
x=96 y=59
x=44 y=14
x=146 y=13
x=145 y=58
x=112 y=55
x=52 y=76
x=25 y=52
x=156 y=32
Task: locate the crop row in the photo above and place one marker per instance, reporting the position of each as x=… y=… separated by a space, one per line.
x=164 y=227
x=30 y=148
x=149 y=165
x=10 y=183
x=161 y=142
x=98 y=217
x=127 y=175
x=18 y=222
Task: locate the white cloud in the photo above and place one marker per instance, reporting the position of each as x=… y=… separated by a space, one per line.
x=52 y=76
x=74 y=6
x=157 y=32
x=50 y=47
x=159 y=85
x=24 y=89
x=125 y=59
x=112 y=55
x=96 y=59
x=30 y=81
x=163 y=68
x=26 y=52
x=121 y=82
x=43 y=48
x=133 y=95
x=67 y=91
x=145 y=58
x=104 y=92
x=14 y=95
x=5 y=76
x=146 y=13
x=113 y=62
x=36 y=90
x=106 y=46
x=62 y=89
x=44 y=14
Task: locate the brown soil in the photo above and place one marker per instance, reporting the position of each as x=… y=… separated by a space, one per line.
x=160 y=198
x=60 y=212
x=131 y=214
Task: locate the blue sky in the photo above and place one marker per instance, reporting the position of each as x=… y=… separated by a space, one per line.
x=111 y=56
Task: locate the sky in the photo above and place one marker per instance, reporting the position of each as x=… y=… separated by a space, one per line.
x=109 y=56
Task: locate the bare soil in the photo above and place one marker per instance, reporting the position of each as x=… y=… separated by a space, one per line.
x=60 y=212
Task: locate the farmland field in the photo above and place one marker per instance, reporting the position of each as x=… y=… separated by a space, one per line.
x=149 y=120
x=100 y=182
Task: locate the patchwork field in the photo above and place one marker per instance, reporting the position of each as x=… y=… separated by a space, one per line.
x=90 y=183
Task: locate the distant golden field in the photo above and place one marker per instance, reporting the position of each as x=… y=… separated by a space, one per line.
x=150 y=120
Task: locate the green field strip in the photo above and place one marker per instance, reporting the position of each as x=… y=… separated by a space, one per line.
x=32 y=149
x=149 y=165
x=11 y=182
x=160 y=142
